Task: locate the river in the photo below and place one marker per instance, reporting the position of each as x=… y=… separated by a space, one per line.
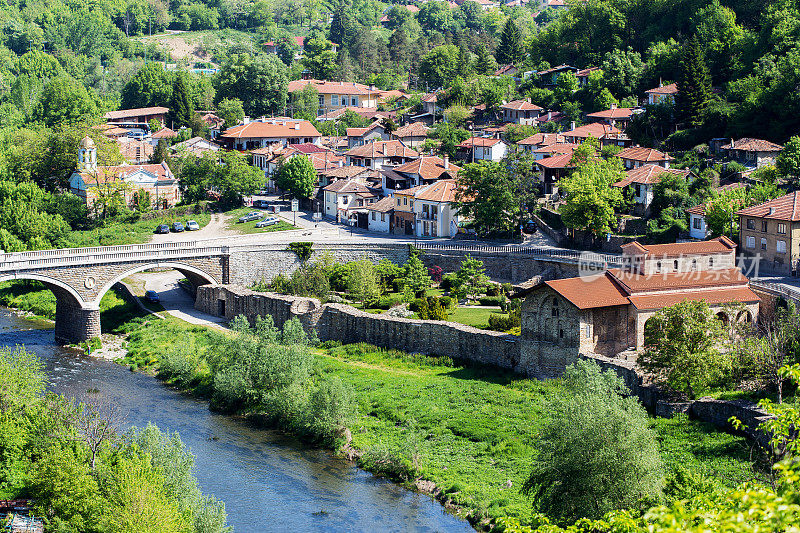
x=268 y=481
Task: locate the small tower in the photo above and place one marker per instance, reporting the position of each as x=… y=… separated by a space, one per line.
x=87 y=155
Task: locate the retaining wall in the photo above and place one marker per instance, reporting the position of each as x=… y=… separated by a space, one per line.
x=349 y=325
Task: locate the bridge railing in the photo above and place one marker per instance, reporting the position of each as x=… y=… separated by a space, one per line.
x=65 y=252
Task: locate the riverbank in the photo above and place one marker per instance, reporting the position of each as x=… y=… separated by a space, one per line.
x=464 y=434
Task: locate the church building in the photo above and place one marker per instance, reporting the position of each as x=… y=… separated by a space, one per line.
x=606 y=314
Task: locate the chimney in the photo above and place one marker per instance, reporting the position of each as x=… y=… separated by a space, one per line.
x=771 y=210
x=246 y=120
x=297 y=125
x=549 y=116
x=446 y=163
x=572 y=125
x=614 y=105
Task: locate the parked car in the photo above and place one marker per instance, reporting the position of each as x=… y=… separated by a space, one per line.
x=161 y=229
x=192 y=225
x=177 y=227
x=251 y=216
x=269 y=221
x=260 y=203
x=151 y=296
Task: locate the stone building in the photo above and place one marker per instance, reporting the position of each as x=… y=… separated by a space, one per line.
x=771 y=233
x=605 y=314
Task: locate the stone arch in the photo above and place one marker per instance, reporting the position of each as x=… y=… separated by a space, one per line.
x=58 y=287
x=745 y=316
x=195 y=275
x=722 y=316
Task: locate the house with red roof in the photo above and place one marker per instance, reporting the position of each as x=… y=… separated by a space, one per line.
x=413 y=134
x=483 y=149
x=637 y=156
x=521 y=112
x=265 y=132
x=607 y=314
x=603 y=132
x=379 y=154
x=752 y=153
x=347 y=201
x=427 y=210
x=642 y=181
x=771 y=232
x=663 y=94
x=698 y=229
x=616 y=116
x=334 y=95
x=360 y=136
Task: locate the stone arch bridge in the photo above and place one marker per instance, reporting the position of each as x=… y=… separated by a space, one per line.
x=79 y=277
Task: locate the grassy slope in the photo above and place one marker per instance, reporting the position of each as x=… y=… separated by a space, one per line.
x=473 y=427
x=130 y=232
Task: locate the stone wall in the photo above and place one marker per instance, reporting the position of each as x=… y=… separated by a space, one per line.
x=349 y=325
x=514 y=268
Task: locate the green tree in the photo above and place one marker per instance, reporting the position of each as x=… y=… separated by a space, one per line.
x=363 y=281
x=231 y=111
x=319 y=58
x=297 y=176
x=471 y=278
x=788 y=162
x=510 y=50
x=151 y=86
x=591 y=200
x=306 y=102
x=670 y=190
x=415 y=277
x=260 y=83
x=487 y=194
x=439 y=66
x=694 y=84
x=683 y=347
x=22 y=379
x=181 y=109
x=623 y=71
x=485 y=63
x=236 y=178
x=596 y=451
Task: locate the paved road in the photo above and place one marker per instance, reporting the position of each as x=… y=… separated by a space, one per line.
x=176 y=301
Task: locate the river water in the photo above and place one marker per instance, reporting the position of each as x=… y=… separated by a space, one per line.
x=268 y=481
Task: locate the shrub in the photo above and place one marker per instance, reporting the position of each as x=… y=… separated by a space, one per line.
x=435 y=272
x=449 y=281
x=498 y=322
x=417 y=304
x=387 y=302
x=448 y=302
x=431 y=308
x=492 y=289
x=507 y=288
x=302 y=249
x=492 y=300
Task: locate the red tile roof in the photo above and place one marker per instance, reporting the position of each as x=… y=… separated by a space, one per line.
x=557 y=161
x=333 y=87
x=429 y=167
x=614 y=113
x=783 y=208
x=415 y=129
x=713 y=246
x=383 y=205
x=393 y=148
x=649 y=174
x=711 y=296
x=479 y=141
x=138 y=112
x=588 y=292
x=557 y=148
x=107 y=174
x=521 y=105
x=439 y=191
x=272 y=129
x=646 y=155
x=164 y=133
x=753 y=145
x=596 y=129
x=542 y=139
x=633 y=283
x=672 y=89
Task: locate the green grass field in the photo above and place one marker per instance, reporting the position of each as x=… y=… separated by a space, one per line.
x=470 y=316
x=138 y=232
x=249 y=228
x=470 y=429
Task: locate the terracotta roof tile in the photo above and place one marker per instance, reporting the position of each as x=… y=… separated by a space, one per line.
x=557 y=161
x=383 y=205
x=633 y=283
x=429 y=167
x=711 y=296
x=647 y=155
x=542 y=139
x=649 y=174
x=333 y=87
x=596 y=129
x=614 y=113
x=272 y=129
x=479 y=141
x=753 y=145
x=588 y=292
x=557 y=148
x=521 y=105
x=713 y=246
x=783 y=208
x=438 y=191
x=393 y=148
x=672 y=88
x=415 y=129
x=138 y=112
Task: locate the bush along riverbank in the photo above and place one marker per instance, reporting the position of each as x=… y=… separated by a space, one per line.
x=471 y=436
x=81 y=473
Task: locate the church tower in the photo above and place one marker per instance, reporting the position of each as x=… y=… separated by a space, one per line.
x=87 y=155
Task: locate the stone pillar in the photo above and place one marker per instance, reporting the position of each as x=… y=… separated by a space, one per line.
x=75 y=324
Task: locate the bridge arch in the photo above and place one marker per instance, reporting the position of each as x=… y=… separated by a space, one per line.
x=194 y=274
x=58 y=287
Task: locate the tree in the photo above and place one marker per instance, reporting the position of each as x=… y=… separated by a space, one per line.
x=319 y=58
x=22 y=379
x=65 y=101
x=297 y=176
x=415 y=277
x=486 y=194
x=471 y=277
x=596 y=451
x=306 y=102
x=694 y=84
x=151 y=86
x=484 y=62
x=510 y=50
x=591 y=200
x=236 y=178
x=439 y=66
x=362 y=281
x=671 y=190
x=231 y=111
x=788 y=162
x=622 y=71
x=260 y=83
x=181 y=108
x=682 y=347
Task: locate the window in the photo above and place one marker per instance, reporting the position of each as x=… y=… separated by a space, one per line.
x=373 y=216
x=638 y=190
x=354 y=101
x=781 y=247
x=710 y=262
x=383 y=217
x=750 y=242
x=782 y=229
x=560 y=333
x=658 y=266
x=587 y=330
x=696 y=222
x=676 y=265
x=764 y=226
x=694 y=264
x=405 y=200
x=322 y=99
x=345 y=199
x=398 y=202
x=554 y=311
x=763 y=243
x=751 y=224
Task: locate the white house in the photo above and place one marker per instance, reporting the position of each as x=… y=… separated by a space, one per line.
x=345 y=198
x=260 y=133
x=697 y=222
x=434 y=212
x=380 y=215
x=521 y=112
x=663 y=94
x=379 y=154
x=642 y=180
x=335 y=95
x=360 y=136
x=483 y=149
